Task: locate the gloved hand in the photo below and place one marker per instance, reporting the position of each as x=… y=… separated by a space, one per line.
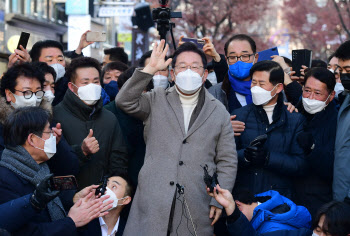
x=306 y=142
x=43 y=193
x=256 y=155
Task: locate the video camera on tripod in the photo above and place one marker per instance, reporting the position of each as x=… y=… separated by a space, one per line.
x=162 y=16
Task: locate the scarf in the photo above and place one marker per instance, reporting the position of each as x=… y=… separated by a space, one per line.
x=241 y=87
x=19 y=161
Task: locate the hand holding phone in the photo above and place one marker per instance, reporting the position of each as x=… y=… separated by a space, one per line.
x=23 y=40
x=302 y=57
x=266 y=54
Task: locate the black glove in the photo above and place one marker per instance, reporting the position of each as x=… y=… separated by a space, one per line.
x=43 y=194
x=306 y=142
x=257 y=156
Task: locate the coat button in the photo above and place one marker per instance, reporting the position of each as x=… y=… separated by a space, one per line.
x=184 y=141
x=172 y=183
x=181 y=163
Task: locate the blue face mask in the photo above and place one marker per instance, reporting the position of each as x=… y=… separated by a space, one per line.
x=112 y=89
x=240 y=70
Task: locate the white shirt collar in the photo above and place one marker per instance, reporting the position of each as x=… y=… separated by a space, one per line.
x=104 y=227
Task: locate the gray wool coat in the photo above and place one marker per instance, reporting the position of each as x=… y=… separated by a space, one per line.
x=172 y=157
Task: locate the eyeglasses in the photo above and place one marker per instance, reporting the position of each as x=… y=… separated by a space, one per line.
x=244 y=58
x=183 y=67
x=29 y=94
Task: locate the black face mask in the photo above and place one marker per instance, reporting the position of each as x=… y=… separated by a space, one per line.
x=345 y=80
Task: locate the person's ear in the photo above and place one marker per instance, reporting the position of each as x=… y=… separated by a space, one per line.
x=256 y=58
x=238 y=203
x=205 y=75
x=126 y=200
x=31 y=140
x=279 y=88
x=331 y=97
x=72 y=87
x=172 y=74
x=9 y=96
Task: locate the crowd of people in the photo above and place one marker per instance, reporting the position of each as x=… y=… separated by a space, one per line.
x=193 y=143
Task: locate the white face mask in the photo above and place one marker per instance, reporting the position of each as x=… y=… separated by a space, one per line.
x=331 y=70
x=90 y=93
x=313 y=106
x=113 y=197
x=338 y=89
x=160 y=81
x=59 y=69
x=212 y=78
x=261 y=96
x=23 y=102
x=314 y=234
x=49 y=96
x=188 y=81
x=49 y=146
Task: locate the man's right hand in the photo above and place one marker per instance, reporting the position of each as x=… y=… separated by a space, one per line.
x=88 y=208
x=209 y=49
x=237 y=126
x=20 y=56
x=90 y=144
x=157 y=60
x=224 y=198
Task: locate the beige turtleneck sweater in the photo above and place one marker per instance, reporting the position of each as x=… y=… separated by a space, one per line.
x=188 y=104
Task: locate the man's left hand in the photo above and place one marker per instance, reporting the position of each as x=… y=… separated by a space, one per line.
x=83 y=43
x=57 y=131
x=215 y=213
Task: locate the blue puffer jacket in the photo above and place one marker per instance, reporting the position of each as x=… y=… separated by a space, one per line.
x=286 y=159
x=264 y=220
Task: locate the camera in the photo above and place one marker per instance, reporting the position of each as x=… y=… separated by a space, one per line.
x=162 y=16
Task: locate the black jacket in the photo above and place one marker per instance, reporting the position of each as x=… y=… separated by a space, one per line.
x=286 y=158
x=315 y=188
x=12 y=186
x=77 y=119
x=132 y=130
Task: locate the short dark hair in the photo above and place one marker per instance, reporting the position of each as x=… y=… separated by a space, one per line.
x=81 y=62
x=36 y=49
x=24 y=121
x=241 y=37
x=129 y=188
x=9 y=79
x=189 y=47
x=337 y=218
x=275 y=70
x=117 y=54
x=323 y=75
x=126 y=75
x=318 y=63
x=115 y=65
x=144 y=58
x=45 y=69
x=343 y=52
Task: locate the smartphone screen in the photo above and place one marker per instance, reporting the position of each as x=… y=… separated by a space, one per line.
x=23 y=40
x=199 y=42
x=64 y=182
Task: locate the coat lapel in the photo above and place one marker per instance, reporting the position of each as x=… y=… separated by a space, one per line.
x=208 y=108
x=175 y=104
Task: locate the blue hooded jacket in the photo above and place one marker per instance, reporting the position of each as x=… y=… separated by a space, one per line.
x=264 y=220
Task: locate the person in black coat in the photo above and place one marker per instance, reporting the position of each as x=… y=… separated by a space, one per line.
x=23 y=168
x=272 y=162
x=314 y=189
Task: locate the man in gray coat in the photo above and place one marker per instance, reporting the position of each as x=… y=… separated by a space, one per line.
x=341 y=180
x=186 y=128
